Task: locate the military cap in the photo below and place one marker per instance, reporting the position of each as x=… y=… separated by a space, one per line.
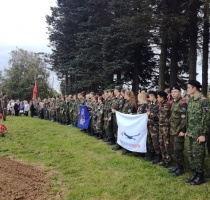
x=118 y=88
x=162 y=94
x=175 y=88
x=195 y=83
x=154 y=93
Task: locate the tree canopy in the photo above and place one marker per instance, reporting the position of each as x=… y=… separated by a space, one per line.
x=146 y=43
x=25 y=68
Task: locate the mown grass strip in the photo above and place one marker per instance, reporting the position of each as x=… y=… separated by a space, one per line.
x=88 y=168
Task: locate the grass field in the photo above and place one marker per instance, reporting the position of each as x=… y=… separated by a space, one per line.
x=88 y=168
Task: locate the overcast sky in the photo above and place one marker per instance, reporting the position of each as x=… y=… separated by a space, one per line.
x=23 y=25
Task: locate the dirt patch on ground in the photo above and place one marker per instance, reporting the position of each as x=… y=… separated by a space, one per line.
x=19 y=181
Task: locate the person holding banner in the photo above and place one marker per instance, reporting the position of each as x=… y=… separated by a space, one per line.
x=117 y=105
x=129 y=107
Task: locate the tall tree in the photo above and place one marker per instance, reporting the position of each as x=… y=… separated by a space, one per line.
x=19 y=79
x=205 y=48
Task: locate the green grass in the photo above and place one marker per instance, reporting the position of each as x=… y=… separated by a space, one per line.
x=86 y=168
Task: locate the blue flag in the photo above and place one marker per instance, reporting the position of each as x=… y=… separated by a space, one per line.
x=84 y=118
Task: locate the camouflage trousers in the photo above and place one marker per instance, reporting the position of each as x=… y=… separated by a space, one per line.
x=153 y=139
x=109 y=130
x=52 y=115
x=177 y=149
x=164 y=143
x=196 y=155
x=115 y=127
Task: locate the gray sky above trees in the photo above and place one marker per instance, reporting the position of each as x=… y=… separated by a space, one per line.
x=23 y=25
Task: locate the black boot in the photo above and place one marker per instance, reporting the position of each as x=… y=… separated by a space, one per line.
x=149 y=156
x=173 y=169
x=156 y=159
x=199 y=179
x=125 y=151
x=117 y=147
x=179 y=171
x=192 y=178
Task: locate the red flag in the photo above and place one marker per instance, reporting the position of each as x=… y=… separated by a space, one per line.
x=35 y=90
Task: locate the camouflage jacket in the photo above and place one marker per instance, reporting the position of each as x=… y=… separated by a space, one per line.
x=100 y=109
x=197 y=116
x=153 y=109
x=178 y=116
x=117 y=103
x=128 y=107
x=165 y=113
x=142 y=108
x=109 y=108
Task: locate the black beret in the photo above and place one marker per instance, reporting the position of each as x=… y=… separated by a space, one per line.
x=176 y=88
x=195 y=83
x=154 y=93
x=162 y=94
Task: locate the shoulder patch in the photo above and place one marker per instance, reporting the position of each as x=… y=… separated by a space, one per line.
x=183 y=101
x=170 y=102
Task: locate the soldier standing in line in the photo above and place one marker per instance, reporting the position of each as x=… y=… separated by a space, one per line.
x=4 y=105
x=105 y=111
x=177 y=130
x=117 y=105
x=197 y=129
x=100 y=116
x=53 y=110
x=153 y=147
x=57 y=109
x=74 y=110
x=164 y=127
x=70 y=110
x=109 y=126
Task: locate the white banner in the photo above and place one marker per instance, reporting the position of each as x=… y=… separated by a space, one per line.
x=132 y=131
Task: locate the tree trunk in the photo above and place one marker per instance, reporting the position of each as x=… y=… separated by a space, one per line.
x=163 y=59
x=193 y=31
x=135 y=84
x=205 y=48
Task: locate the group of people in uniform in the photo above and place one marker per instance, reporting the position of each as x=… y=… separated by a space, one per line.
x=171 y=119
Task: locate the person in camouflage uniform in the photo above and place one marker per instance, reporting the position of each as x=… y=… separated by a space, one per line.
x=52 y=109
x=99 y=115
x=4 y=102
x=164 y=127
x=105 y=111
x=177 y=130
x=71 y=102
x=197 y=129
x=74 y=110
x=153 y=147
x=142 y=103
x=117 y=105
x=109 y=119
x=90 y=103
x=129 y=107
x=58 y=109
x=63 y=110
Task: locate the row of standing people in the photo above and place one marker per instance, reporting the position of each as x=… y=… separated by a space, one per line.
x=169 y=122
